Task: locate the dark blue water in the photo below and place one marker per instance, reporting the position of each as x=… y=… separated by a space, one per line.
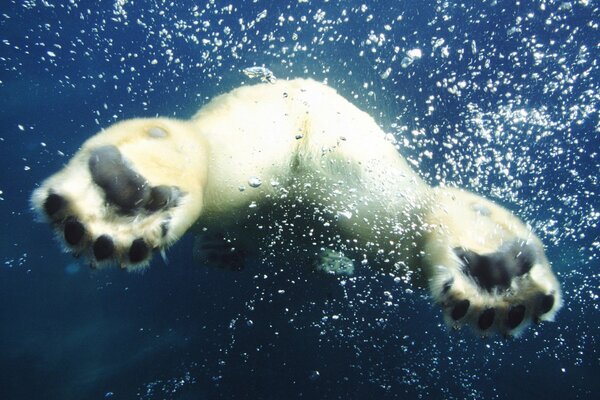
x=506 y=105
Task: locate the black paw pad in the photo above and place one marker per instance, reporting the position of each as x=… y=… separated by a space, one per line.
x=122 y=186
x=53 y=204
x=162 y=197
x=498 y=269
x=103 y=248
x=486 y=319
x=139 y=251
x=74 y=231
x=460 y=309
x=485 y=269
x=515 y=316
x=546 y=303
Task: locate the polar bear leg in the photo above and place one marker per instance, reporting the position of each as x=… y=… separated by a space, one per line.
x=487 y=269
x=112 y=204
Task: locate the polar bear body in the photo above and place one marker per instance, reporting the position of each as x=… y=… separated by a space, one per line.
x=297 y=128
x=142 y=183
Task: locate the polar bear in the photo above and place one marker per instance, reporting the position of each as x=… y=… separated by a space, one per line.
x=295 y=153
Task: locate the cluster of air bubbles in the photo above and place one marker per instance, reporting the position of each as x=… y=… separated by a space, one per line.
x=16 y=262
x=410 y=57
x=119 y=9
x=165 y=388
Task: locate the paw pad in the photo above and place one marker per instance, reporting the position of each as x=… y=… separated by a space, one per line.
x=121 y=184
x=498 y=292
x=486 y=319
x=74 y=231
x=104 y=248
x=460 y=309
x=162 y=197
x=138 y=251
x=546 y=303
x=125 y=188
x=497 y=270
x=115 y=215
x=515 y=316
x=53 y=204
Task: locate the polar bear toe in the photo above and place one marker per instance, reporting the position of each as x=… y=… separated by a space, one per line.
x=104 y=248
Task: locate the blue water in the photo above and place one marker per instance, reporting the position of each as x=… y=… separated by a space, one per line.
x=506 y=105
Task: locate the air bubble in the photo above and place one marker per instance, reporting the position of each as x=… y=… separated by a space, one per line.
x=386 y=73
x=254 y=182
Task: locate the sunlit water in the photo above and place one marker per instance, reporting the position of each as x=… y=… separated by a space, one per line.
x=500 y=97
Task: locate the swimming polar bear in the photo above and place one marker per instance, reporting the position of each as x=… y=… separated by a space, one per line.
x=261 y=154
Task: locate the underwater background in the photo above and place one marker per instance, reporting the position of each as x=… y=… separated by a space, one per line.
x=500 y=97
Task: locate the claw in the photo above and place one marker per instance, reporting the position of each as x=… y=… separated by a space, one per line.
x=163 y=254
x=447 y=286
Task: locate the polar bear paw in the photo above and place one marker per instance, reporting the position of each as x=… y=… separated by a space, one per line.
x=487 y=269
x=103 y=210
x=497 y=292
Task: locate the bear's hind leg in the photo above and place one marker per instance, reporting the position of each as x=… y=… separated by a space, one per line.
x=129 y=191
x=486 y=268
